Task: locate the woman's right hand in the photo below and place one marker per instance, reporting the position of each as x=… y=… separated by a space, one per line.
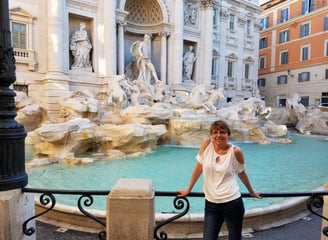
x=182 y=193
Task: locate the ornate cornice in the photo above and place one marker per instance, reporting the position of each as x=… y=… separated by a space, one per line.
x=86 y=5
x=207 y=3
x=121 y=17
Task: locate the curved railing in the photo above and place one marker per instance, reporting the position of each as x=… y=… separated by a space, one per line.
x=47 y=199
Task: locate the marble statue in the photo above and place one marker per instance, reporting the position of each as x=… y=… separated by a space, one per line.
x=215 y=95
x=190 y=15
x=117 y=95
x=196 y=97
x=188 y=63
x=147 y=73
x=141 y=50
x=80 y=46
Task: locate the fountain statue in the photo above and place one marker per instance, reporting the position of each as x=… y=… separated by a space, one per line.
x=147 y=75
x=123 y=122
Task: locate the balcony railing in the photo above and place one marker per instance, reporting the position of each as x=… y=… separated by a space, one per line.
x=26 y=56
x=47 y=198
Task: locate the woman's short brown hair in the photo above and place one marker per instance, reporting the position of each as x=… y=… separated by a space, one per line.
x=220 y=124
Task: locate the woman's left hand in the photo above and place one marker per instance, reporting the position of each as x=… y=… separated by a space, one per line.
x=256 y=194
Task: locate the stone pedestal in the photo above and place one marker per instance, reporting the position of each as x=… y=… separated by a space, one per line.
x=15 y=208
x=130 y=210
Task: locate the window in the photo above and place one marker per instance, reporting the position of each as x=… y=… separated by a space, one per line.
x=264 y=23
x=21 y=88
x=284 y=15
x=326 y=48
x=305 y=101
x=19 y=35
x=307 y=6
x=304 y=77
x=305 y=30
x=215 y=61
x=262 y=62
x=284 y=36
x=215 y=68
x=284 y=57
x=326 y=75
x=215 y=18
x=326 y=24
x=247 y=71
x=21 y=25
x=248 y=27
x=263 y=42
x=231 y=22
x=305 y=53
x=230 y=69
x=324 y=99
x=282 y=101
x=261 y=82
x=282 y=79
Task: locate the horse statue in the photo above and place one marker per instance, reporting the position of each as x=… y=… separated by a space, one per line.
x=116 y=94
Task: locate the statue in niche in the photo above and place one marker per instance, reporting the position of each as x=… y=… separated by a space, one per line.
x=188 y=63
x=141 y=51
x=80 y=46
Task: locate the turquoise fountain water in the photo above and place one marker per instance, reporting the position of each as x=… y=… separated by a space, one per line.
x=299 y=166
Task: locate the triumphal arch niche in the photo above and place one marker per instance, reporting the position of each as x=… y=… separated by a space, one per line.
x=137 y=18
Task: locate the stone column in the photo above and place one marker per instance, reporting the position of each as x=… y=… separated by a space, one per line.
x=55 y=39
x=55 y=84
x=13 y=208
x=121 y=21
x=176 y=45
x=109 y=44
x=224 y=15
x=163 y=55
x=130 y=210
x=206 y=44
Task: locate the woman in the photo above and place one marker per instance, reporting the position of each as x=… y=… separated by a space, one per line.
x=220 y=162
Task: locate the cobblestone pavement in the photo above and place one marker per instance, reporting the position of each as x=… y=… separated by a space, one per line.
x=308 y=228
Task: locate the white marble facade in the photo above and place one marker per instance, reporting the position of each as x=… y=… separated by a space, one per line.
x=223 y=35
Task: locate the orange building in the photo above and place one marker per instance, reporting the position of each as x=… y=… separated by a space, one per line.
x=293 y=54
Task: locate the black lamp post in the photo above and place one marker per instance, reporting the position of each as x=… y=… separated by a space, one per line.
x=12 y=134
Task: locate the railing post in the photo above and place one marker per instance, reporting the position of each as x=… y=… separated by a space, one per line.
x=324 y=213
x=130 y=210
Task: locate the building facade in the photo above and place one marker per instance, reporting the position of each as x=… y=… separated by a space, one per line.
x=223 y=36
x=293 y=55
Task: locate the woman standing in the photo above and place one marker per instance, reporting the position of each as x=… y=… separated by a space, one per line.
x=220 y=162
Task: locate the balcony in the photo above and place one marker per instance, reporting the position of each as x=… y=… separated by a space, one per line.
x=25 y=56
x=247 y=84
x=230 y=83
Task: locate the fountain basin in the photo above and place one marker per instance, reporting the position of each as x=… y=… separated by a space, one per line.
x=302 y=174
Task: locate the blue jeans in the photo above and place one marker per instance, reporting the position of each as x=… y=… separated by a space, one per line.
x=216 y=213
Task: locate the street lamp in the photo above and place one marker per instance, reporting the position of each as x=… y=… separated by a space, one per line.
x=12 y=134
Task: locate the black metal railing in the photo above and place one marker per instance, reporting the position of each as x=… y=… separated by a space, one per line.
x=48 y=199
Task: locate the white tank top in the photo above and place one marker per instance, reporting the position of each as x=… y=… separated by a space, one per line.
x=220 y=179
